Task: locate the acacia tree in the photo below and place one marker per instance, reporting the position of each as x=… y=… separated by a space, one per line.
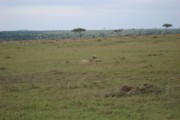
x=79 y=30
x=118 y=31
x=167 y=25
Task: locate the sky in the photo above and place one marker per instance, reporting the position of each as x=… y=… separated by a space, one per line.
x=88 y=14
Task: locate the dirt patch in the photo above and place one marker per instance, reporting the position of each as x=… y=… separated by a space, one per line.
x=126 y=90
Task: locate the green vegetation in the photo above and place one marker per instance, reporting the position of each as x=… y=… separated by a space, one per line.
x=79 y=30
x=66 y=34
x=44 y=80
x=118 y=31
x=167 y=25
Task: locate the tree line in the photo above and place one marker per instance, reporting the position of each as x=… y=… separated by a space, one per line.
x=81 y=33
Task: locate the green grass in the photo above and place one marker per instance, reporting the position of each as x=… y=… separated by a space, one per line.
x=45 y=80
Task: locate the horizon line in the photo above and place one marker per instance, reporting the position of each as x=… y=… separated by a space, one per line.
x=90 y=29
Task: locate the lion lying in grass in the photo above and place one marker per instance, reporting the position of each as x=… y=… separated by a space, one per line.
x=90 y=60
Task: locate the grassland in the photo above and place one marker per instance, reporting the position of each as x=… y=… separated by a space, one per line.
x=43 y=80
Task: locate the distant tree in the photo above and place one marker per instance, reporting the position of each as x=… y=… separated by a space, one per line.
x=79 y=30
x=167 y=25
x=118 y=31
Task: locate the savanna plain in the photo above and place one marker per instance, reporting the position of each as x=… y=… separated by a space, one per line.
x=44 y=79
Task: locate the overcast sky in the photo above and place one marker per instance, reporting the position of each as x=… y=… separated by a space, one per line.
x=88 y=14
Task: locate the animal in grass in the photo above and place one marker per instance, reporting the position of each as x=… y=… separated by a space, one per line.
x=90 y=60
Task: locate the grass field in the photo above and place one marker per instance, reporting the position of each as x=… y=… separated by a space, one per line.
x=44 y=80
